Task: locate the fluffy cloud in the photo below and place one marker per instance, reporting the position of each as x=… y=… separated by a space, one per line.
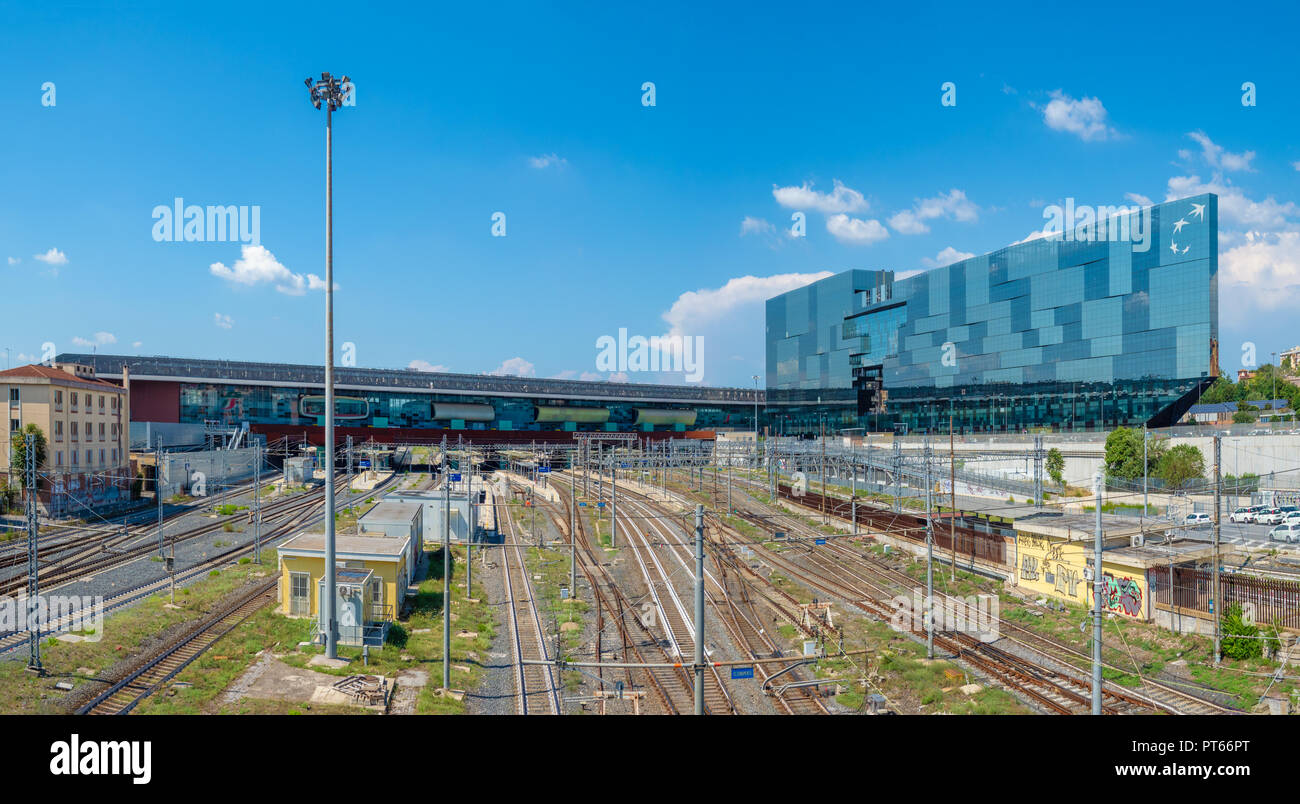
x=1296 y=165
x=1265 y=268
x=425 y=365
x=223 y=321
x=755 y=226
x=1220 y=159
x=946 y=257
x=840 y=199
x=1234 y=206
x=1139 y=199
x=515 y=367
x=14 y=260
x=696 y=310
x=51 y=257
x=856 y=231
x=99 y=339
x=953 y=205
x=257 y=265
x=1086 y=117
x=546 y=160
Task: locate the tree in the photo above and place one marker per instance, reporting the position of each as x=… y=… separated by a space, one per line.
x=1056 y=466
x=1243 y=417
x=1240 y=639
x=19 y=452
x=1124 y=454
x=1181 y=464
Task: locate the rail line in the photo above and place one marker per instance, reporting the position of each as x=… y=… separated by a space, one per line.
x=535 y=685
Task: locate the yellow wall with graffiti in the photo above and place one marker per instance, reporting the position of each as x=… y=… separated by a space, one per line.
x=1055 y=567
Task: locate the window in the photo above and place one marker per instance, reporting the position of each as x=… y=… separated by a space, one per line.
x=58 y=431
x=58 y=458
x=74 y=457
x=101 y=457
x=58 y=400
x=13 y=394
x=299 y=594
x=114 y=403
x=377 y=599
x=101 y=431
x=90 y=457
x=74 y=431
x=14 y=425
x=74 y=400
x=101 y=403
x=90 y=431
x=114 y=431
x=115 y=457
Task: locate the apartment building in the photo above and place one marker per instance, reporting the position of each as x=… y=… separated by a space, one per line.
x=86 y=425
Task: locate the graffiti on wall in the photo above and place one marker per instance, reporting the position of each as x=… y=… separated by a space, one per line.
x=1122 y=595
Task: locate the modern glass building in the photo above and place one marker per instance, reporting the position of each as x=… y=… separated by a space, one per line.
x=1111 y=323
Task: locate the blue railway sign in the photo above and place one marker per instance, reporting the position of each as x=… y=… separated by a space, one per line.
x=742 y=672
x=819 y=541
x=455 y=477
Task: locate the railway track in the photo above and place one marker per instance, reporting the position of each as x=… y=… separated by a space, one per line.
x=1046 y=677
x=127 y=693
x=536 y=690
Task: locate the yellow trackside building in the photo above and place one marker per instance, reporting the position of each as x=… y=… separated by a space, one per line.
x=1054 y=557
x=373 y=575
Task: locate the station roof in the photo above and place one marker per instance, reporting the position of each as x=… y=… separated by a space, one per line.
x=1082 y=527
x=174 y=369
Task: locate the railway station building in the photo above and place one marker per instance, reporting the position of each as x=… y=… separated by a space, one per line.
x=1091 y=328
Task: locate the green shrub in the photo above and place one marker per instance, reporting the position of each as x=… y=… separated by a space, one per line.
x=1239 y=638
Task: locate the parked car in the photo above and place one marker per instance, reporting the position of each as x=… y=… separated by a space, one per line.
x=1241 y=515
x=1197 y=520
x=1293 y=516
x=1269 y=516
x=1288 y=532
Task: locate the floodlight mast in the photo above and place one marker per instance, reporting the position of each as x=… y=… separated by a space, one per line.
x=330 y=92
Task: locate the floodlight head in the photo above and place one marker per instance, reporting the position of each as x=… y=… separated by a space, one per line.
x=307 y=81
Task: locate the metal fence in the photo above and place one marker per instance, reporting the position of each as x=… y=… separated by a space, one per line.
x=1276 y=601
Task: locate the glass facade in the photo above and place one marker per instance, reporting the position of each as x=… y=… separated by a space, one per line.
x=1111 y=323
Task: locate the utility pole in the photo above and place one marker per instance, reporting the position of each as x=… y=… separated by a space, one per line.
x=1143 y=518
x=853 y=486
x=929 y=559
x=348 y=454
x=33 y=573
x=158 y=492
x=1216 y=602
x=257 y=504
x=613 y=499
x=1038 y=469
x=573 y=541
x=469 y=517
x=952 y=490
x=329 y=91
x=1098 y=587
x=823 y=470
x=898 y=473
x=446 y=569
x=699 y=609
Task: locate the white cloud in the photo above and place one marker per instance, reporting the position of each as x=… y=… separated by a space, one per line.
x=953 y=205
x=619 y=376
x=137 y=344
x=98 y=339
x=1234 y=206
x=1036 y=235
x=1296 y=165
x=696 y=310
x=425 y=365
x=751 y=226
x=1220 y=159
x=257 y=265
x=1265 y=269
x=23 y=357
x=223 y=321
x=1139 y=199
x=589 y=376
x=855 y=230
x=840 y=199
x=14 y=260
x=946 y=257
x=515 y=367
x=546 y=160
x=51 y=257
x=1086 y=117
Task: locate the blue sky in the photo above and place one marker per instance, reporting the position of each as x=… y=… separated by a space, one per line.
x=663 y=219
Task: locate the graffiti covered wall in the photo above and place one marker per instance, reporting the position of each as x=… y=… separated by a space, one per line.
x=1055 y=567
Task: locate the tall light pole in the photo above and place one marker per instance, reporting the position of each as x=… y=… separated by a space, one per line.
x=756 y=461
x=329 y=92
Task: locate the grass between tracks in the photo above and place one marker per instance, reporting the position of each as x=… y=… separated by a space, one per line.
x=124 y=634
x=415 y=643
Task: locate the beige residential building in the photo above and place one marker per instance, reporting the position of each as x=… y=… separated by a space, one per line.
x=86 y=425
